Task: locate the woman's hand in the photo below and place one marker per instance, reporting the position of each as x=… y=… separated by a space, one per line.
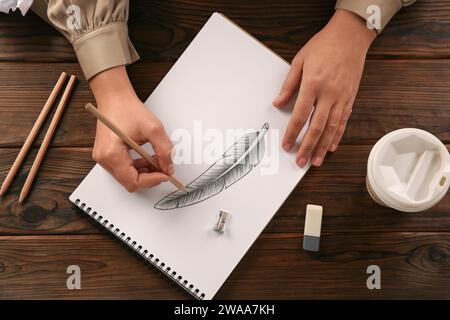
x=117 y=100
x=327 y=70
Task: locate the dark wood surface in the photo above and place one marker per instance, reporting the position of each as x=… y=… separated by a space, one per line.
x=405 y=84
x=414 y=265
x=388 y=99
x=162 y=29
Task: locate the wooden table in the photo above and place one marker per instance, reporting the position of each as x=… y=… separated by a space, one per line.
x=406 y=83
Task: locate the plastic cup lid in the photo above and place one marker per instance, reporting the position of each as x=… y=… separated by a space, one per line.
x=409 y=169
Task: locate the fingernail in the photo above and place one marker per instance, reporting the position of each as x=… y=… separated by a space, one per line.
x=317 y=161
x=287 y=146
x=333 y=147
x=170 y=169
x=301 y=162
x=276 y=100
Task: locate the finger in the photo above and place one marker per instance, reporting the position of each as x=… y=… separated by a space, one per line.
x=342 y=125
x=328 y=135
x=148 y=180
x=314 y=132
x=126 y=173
x=162 y=146
x=145 y=181
x=300 y=114
x=291 y=83
x=141 y=163
x=143 y=170
x=104 y=156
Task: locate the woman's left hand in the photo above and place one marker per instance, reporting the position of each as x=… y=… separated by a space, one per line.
x=327 y=70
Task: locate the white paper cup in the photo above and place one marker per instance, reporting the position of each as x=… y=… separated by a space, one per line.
x=408 y=170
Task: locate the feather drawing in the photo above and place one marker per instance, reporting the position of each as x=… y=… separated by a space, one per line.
x=234 y=164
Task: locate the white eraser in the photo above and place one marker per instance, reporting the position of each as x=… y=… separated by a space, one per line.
x=313 y=225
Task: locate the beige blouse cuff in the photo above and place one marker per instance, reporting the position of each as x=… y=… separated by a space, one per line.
x=104 y=48
x=388 y=8
x=100 y=38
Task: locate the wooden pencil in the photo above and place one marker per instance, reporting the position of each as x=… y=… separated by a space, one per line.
x=132 y=144
x=47 y=139
x=32 y=135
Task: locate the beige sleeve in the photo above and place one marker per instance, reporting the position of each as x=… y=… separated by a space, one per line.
x=388 y=8
x=97 y=29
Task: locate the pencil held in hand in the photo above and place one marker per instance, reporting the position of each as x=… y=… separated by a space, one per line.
x=32 y=135
x=132 y=144
x=47 y=139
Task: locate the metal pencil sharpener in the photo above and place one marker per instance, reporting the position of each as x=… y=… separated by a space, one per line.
x=221 y=221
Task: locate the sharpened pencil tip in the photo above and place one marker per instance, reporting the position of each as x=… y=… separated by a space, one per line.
x=1 y=191
x=21 y=198
x=181 y=187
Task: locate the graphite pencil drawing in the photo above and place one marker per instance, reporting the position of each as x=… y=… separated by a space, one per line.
x=234 y=164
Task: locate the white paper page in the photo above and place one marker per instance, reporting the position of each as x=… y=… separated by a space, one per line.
x=225 y=79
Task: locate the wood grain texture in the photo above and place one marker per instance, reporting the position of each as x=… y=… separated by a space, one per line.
x=163 y=29
x=393 y=95
x=339 y=185
x=21 y=101
x=47 y=210
x=413 y=265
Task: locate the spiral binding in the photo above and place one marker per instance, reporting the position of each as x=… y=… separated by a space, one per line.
x=174 y=276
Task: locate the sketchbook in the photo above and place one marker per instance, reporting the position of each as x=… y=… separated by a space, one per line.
x=216 y=106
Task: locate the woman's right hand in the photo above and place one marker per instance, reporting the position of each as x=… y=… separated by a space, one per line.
x=118 y=102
